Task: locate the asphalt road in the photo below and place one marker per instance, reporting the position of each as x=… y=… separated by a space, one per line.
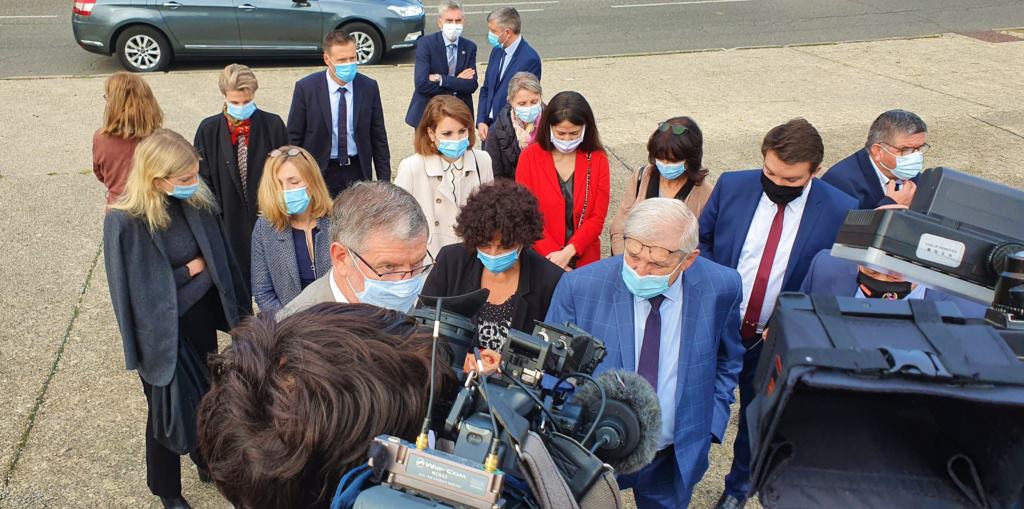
x=36 y=38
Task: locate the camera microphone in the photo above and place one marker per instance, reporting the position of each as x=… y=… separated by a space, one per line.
x=626 y=435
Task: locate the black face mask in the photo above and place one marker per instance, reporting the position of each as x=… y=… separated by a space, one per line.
x=781 y=195
x=875 y=289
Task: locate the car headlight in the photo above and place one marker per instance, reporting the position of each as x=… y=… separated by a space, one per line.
x=406 y=11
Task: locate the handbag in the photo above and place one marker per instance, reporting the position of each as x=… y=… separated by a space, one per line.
x=172 y=408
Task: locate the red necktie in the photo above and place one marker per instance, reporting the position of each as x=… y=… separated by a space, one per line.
x=764 y=271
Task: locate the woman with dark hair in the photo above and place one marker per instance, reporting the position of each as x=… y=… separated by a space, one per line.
x=673 y=170
x=498 y=225
x=567 y=170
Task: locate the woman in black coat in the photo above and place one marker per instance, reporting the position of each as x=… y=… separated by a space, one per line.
x=173 y=282
x=498 y=224
x=514 y=128
x=234 y=145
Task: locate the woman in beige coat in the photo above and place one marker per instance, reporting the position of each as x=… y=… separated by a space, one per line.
x=673 y=170
x=445 y=168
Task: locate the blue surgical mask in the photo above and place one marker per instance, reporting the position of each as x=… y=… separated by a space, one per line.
x=494 y=40
x=644 y=287
x=908 y=167
x=242 y=112
x=499 y=263
x=346 y=72
x=296 y=200
x=396 y=295
x=453 y=149
x=183 y=192
x=568 y=146
x=528 y=113
x=670 y=171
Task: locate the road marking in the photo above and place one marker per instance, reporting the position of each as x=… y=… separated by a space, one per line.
x=692 y=2
x=30 y=17
x=511 y=4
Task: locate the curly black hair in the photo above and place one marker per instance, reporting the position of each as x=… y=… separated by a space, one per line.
x=503 y=209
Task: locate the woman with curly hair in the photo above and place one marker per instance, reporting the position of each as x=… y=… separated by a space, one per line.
x=498 y=226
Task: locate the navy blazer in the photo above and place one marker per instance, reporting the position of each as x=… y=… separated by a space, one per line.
x=595 y=298
x=829 y=275
x=275 y=271
x=309 y=123
x=494 y=92
x=856 y=177
x=730 y=209
x=432 y=58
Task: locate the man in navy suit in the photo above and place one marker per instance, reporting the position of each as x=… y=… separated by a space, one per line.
x=769 y=224
x=511 y=54
x=884 y=172
x=337 y=116
x=673 y=317
x=445 y=63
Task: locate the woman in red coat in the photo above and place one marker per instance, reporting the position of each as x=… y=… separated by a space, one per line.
x=567 y=170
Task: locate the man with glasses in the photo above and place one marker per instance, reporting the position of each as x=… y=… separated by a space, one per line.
x=884 y=172
x=673 y=317
x=378 y=251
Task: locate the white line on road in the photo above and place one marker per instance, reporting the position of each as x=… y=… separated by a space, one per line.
x=511 y=4
x=30 y=17
x=693 y=2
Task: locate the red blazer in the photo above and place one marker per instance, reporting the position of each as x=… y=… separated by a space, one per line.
x=536 y=171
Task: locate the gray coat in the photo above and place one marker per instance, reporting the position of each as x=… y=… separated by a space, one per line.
x=275 y=271
x=142 y=288
x=317 y=292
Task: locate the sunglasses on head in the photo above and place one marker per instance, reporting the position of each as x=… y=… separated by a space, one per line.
x=292 y=152
x=676 y=129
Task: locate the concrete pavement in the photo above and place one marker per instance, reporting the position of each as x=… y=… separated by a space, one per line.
x=71 y=418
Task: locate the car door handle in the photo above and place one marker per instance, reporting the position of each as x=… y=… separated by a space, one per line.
x=247 y=7
x=172 y=5
x=301 y=3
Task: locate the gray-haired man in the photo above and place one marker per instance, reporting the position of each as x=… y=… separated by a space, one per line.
x=510 y=54
x=884 y=171
x=378 y=251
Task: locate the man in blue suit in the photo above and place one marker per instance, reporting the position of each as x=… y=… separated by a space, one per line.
x=445 y=63
x=884 y=172
x=673 y=317
x=511 y=54
x=337 y=116
x=769 y=224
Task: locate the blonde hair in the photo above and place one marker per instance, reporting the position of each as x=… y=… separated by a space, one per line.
x=270 y=197
x=237 y=77
x=163 y=154
x=131 y=110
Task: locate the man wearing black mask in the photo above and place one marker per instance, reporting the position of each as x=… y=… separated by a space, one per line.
x=768 y=224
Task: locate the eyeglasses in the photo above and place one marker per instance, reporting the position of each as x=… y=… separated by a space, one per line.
x=658 y=254
x=398 y=275
x=676 y=129
x=906 y=151
x=292 y=152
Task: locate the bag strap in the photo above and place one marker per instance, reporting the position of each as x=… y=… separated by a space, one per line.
x=546 y=482
x=827 y=309
x=684 y=193
x=639 y=179
x=586 y=194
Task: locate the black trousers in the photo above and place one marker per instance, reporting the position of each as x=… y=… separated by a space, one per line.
x=339 y=177
x=198 y=327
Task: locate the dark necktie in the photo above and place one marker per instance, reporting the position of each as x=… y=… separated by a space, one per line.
x=451 y=60
x=342 y=126
x=752 y=316
x=651 y=348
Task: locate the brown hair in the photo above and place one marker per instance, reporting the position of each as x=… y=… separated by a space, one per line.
x=796 y=141
x=571 y=106
x=269 y=197
x=295 y=404
x=688 y=147
x=437 y=109
x=131 y=110
x=337 y=38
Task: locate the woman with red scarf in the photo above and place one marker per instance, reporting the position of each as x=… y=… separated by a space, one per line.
x=234 y=145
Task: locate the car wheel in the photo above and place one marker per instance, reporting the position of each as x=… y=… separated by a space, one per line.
x=143 y=49
x=369 y=45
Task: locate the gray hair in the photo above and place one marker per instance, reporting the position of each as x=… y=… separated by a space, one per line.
x=523 y=80
x=506 y=17
x=449 y=5
x=655 y=218
x=892 y=123
x=372 y=207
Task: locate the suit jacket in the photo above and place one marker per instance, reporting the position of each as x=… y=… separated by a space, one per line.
x=432 y=58
x=829 y=275
x=730 y=210
x=317 y=292
x=494 y=92
x=219 y=168
x=275 y=274
x=710 y=354
x=457 y=271
x=142 y=288
x=856 y=177
x=310 y=123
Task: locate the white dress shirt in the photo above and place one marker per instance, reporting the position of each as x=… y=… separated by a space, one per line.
x=338 y=296
x=753 y=248
x=332 y=88
x=668 y=353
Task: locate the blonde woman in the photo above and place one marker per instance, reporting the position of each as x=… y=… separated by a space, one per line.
x=291 y=242
x=515 y=127
x=173 y=283
x=234 y=145
x=131 y=114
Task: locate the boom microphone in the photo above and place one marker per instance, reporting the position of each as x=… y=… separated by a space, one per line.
x=626 y=435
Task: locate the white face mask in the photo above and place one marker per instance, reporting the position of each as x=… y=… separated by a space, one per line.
x=566 y=146
x=451 y=31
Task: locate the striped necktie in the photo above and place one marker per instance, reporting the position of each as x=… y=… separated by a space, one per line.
x=451 y=59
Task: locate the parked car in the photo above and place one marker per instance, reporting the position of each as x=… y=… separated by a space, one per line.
x=147 y=34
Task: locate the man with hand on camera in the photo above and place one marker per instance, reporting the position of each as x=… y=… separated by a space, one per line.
x=673 y=317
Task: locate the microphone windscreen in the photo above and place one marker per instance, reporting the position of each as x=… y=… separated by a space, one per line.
x=636 y=393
